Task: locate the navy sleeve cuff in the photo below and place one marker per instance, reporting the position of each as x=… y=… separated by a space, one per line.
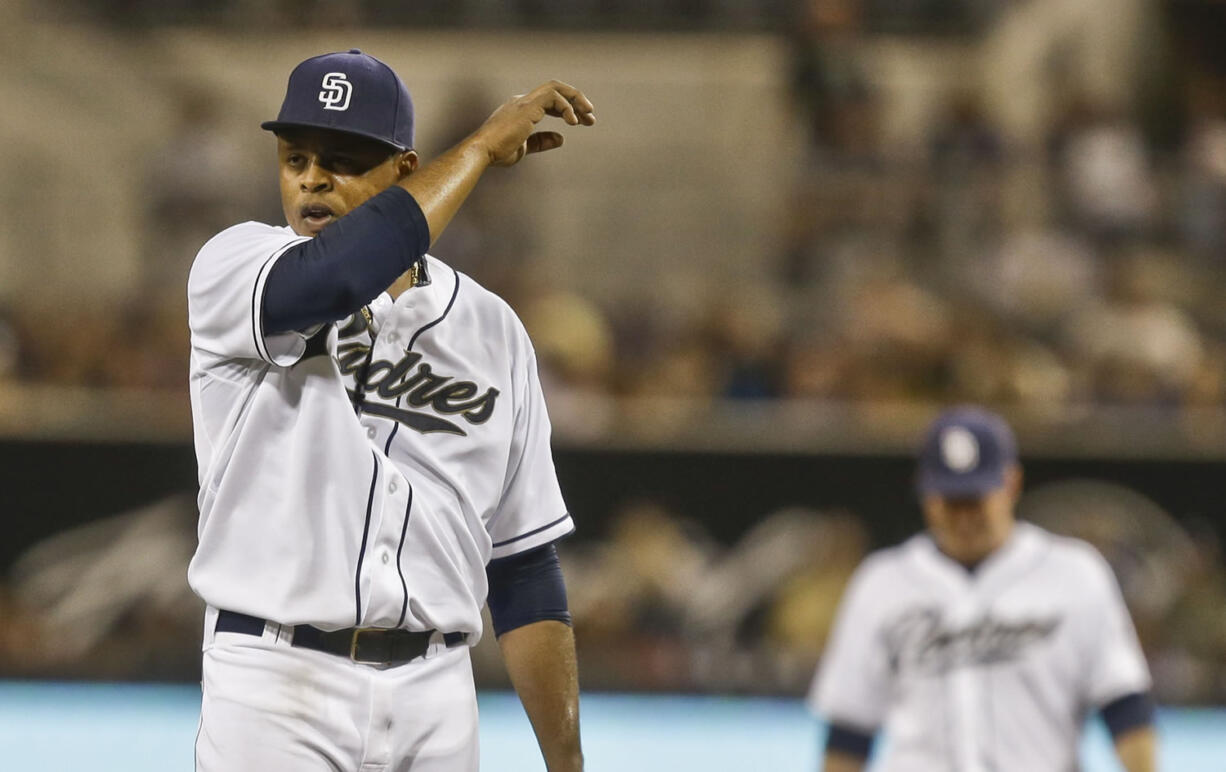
x=526 y=587
x=846 y=739
x=400 y=209
x=350 y=262
x=1129 y=712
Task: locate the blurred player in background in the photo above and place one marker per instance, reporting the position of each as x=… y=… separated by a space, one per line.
x=983 y=643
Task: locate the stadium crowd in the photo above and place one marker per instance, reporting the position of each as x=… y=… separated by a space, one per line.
x=1081 y=267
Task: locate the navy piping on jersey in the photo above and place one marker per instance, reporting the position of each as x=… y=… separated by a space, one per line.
x=404 y=529
x=545 y=527
x=357 y=577
x=951 y=742
x=196 y=742
x=455 y=291
x=257 y=319
x=988 y=753
x=257 y=324
x=387 y=448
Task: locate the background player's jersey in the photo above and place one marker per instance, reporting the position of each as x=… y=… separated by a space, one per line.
x=991 y=670
x=362 y=473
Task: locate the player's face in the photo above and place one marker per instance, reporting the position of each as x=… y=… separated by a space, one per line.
x=326 y=174
x=970 y=529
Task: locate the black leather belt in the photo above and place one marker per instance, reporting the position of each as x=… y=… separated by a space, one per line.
x=365 y=645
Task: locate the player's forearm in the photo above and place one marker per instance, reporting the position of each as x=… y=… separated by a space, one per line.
x=1138 y=750
x=838 y=761
x=540 y=659
x=441 y=186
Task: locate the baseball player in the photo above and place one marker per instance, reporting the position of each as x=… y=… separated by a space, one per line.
x=982 y=644
x=373 y=450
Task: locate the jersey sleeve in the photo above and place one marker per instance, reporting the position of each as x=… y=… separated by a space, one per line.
x=1114 y=663
x=532 y=511
x=853 y=682
x=225 y=295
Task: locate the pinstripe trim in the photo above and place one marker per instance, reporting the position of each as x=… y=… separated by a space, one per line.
x=257 y=300
x=357 y=577
x=533 y=532
x=199 y=727
x=455 y=291
x=387 y=448
x=404 y=529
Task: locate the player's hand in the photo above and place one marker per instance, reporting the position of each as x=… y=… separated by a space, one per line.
x=508 y=135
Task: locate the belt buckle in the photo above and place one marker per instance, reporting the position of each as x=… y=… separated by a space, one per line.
x=353 y=646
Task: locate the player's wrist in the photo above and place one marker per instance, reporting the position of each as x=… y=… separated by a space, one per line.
x=571 y=761
x=478 y=148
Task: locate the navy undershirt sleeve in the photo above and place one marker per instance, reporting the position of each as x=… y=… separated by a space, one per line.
x=526 y=588
x=849 y=740
x=347 y=265
x=1128 y=712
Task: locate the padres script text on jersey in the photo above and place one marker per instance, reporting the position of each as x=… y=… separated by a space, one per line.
x=389 y=518
x=994 y=669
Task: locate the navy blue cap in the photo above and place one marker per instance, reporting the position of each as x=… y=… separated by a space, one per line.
x=351 y=92
x=965 y=453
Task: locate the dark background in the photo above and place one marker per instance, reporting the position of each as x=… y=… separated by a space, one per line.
x=50 y=486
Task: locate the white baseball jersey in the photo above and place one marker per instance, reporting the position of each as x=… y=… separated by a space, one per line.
x=362 y=474
x=992 y=670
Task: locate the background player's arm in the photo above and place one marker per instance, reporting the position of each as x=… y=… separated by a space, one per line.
x=849 y=690
x=838 y=761
x=540 y=659
x=847 y=748
x=1138 y=749
x=1117 y=678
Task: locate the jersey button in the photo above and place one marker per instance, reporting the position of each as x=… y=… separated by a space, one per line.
x=386 y=557
x=393 y=337
x=370 y=432
x=391 y=487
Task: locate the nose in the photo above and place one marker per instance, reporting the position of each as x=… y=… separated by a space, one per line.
x=314 y=178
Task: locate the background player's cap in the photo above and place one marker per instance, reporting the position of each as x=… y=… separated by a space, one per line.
x=965 y=453
x=351 y=92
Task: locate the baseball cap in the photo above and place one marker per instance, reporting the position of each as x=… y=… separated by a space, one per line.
x=351 y=92
x=965 y=453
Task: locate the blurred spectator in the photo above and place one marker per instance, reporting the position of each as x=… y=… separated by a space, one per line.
x=191 y=190
x=629 y=596
x=1105 y=174
x=746 y=328
x=1137 y=345
x=109 y=599
x=828 y=74
x=1036 y=278
x=1202 y=188
x=11 y=353
x=574 y=351
x=967 y=158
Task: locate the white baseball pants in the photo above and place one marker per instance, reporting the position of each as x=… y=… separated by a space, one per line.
x=269 y=706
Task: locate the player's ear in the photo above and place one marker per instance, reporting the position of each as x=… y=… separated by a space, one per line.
x=1013 y=480
x=406 y=164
